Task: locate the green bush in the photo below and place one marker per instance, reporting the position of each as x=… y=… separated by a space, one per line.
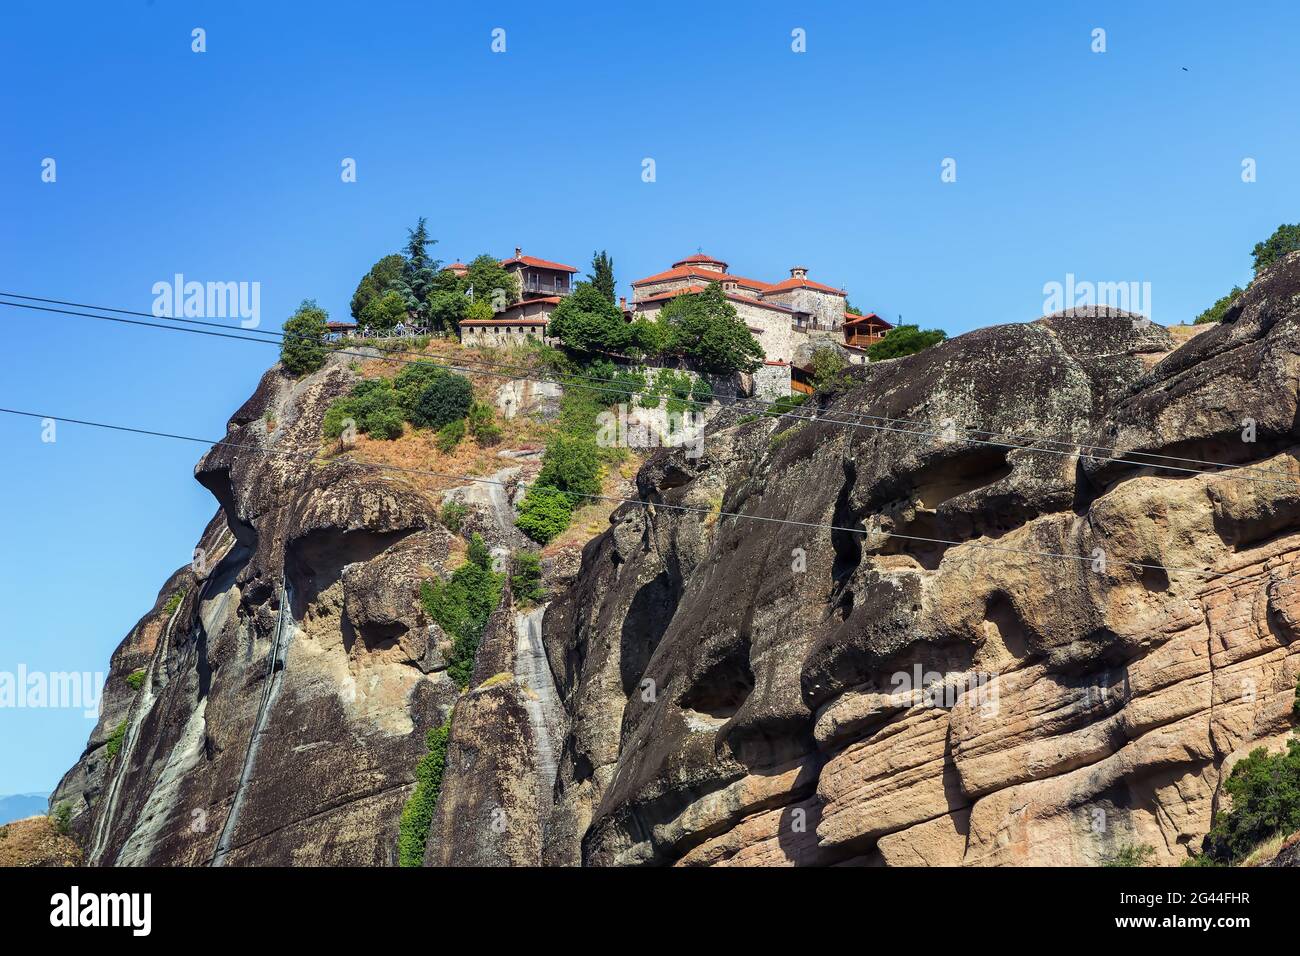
x=785 y=404
x=174 y=602
x=1130 y=854
x=453 y=515
x=411 y=382
x=702 y=391
x=372 y=405
x=114 y=742
x=383 y=423
x=482 y=424
x=904 y=340
x=135 y=679
x=526 y=578
x=417 y=813
x=1265 y=791
x=462 y=605
x=61 y=816
x=544 y=514
x=444 y=400
x=570 y=464
x=450 y=435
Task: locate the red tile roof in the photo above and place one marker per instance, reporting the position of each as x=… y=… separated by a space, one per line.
x=800 y=283
x=697 y=289
x=537 y=263
x=695 y=272
x=698 y=258
x=458 y=267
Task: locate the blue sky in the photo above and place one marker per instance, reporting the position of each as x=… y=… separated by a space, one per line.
x=225 y=166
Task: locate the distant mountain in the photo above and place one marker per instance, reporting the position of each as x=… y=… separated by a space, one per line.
x=15 y=806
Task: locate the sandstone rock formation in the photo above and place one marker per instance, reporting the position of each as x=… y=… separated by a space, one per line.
x=1022 y=598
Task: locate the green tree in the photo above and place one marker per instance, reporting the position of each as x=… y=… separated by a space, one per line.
x=1215 y=312
x=571 y=464
x=588 y=322
x=602 y=274
x=827 y=364
x=905 y=340
x=707 y=329
x=1285 y=238
x=1265 y=791
x=383 y=312
x=446 y=399
x=303 y=348
x=490 y=283
x=376 y=282
x=419 y=271
x=526 y=578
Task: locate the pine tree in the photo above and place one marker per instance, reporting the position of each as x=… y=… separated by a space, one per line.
x=602 y=274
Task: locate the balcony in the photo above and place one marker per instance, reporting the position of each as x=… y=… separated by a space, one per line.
x=538 y=287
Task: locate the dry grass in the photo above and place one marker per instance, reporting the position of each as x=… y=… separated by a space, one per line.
x=36 y=842
x=1182 y=334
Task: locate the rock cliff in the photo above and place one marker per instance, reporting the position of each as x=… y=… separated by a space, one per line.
x=1021 y=598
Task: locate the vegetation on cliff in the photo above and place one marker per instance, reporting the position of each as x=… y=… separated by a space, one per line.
x=417 y=814
x=462 y=605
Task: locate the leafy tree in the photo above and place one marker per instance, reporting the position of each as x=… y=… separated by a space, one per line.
x=410 y=383
x=376 y=282
x=491 y=283
x=651 y=336
x=707 y=329
x=589 y=322
x=446 y=308
x=372 y=405
x=383 y=312
x=602 y=274
x=544 y=514
x=905 y=340
x=446 y=399
x=1285 y=238
x=570 y=464
x=1265 y=791
x=480 y=310
x=1215 y=312
x=827 y=364
x=303 y=348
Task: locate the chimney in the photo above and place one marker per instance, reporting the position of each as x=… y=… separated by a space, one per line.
x=799 y=272
x=518 y=252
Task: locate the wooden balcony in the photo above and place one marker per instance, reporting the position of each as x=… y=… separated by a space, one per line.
x=862 y=340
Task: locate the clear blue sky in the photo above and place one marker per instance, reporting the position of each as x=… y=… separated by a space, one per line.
x=225 y=166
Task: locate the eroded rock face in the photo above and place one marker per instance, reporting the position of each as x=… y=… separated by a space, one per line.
x=967 y=683
x=300 y=629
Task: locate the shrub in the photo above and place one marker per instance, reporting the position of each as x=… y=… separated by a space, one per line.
x=114 y=742
x=174 y=602
x=411 y=381
x=570 y=464
x=526 y=578
x=702 y=391
x=450 y=435
x=479 y=553
x=480 y=310
x=905 y=340
x=785 y=404
x=544 y=514
x=443 y=401
x=417 y=813
x=462 y=605
x=453 y=515
x=482 y=424
x=135 y=679
x=1130 y=855
x=383 y=423
x=61 y=816
x=1265 y=791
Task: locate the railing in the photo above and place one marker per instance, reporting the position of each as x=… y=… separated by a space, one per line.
x=545 y=288
x=803 y=387
x=862 y=341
